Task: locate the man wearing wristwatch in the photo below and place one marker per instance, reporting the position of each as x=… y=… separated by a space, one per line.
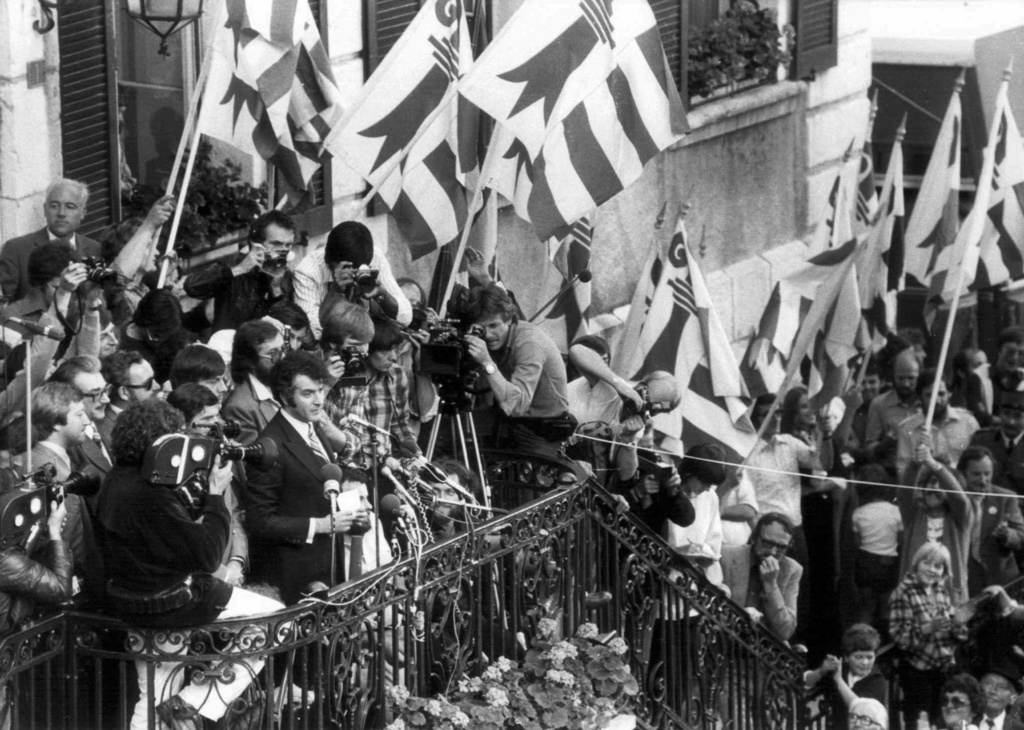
x=525 y=371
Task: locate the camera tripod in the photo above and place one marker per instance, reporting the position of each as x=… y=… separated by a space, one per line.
x=460 y=421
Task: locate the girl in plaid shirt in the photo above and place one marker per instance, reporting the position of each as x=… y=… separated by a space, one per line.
x=922 y=623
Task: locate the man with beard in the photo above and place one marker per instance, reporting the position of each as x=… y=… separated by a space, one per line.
x=293 y=532
x=952 y=427
x=257 y=347
x=762 y=579
x=891 y=408
x=1006 y=444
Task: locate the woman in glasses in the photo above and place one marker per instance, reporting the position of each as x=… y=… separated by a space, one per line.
x=962 y=703
x=868 y=714
x=923 y=625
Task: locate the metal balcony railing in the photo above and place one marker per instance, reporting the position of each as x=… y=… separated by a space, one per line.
x=568 y=554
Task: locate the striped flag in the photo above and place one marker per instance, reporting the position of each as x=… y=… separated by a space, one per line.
x=271 y=91
x=584 y=93
x=683 y=336
x=880 y=270
x=571 y=256
x=986 y=247
x=404 y=130
x=933 y=226
x=867 y=195
x=764 y=364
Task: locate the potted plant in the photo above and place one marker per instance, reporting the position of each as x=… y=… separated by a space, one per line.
x=219 y=203
x=581 y=683
x=742 y=47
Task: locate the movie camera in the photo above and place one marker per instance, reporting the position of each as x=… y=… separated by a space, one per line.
x=445 y=358
x=184 y=463
x=97 y=271
x=24 y=505
x=647 y=409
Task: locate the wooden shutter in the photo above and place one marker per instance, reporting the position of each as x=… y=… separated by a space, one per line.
x=88 y=97
x=386 y=20
x=817 y=36
x=670 y=23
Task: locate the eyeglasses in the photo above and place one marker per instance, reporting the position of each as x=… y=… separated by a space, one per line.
x=95 y=395
x=273 y=355
x=147 y=384
x=772 y=545
x=954 y=702
x=863 y=721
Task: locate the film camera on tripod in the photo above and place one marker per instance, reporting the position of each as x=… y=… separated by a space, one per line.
x=445 y=359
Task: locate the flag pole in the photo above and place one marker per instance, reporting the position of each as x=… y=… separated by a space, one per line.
x=191 y=124
x=482 y=180
x=977 y=223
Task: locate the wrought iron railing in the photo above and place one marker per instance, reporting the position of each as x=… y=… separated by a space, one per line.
x=569 y=554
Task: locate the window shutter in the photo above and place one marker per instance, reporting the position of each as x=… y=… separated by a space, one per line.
x=669 y=15
x=88 y=97
x=817 y=36
x=386 y=20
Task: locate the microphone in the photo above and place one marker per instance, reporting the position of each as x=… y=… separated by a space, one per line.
x=396 y=466
x=331 y=475
x=366 y=424
x=465 y=505
x=54 y=333
x=391 y=506
x=399 y=487
x=583 y=277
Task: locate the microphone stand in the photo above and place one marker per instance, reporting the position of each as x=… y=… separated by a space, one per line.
x=376 y=490
x=566 y=288
x=28 y=402
x=332 y=497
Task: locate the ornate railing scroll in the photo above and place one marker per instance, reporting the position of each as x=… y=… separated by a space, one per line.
x=467 y=601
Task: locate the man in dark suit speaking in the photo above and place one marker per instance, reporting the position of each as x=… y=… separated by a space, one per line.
x=64 y=208
x=291 y=529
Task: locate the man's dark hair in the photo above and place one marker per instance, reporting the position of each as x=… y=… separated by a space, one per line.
x=47 y=262
x=386 y=335
x=117 y=364
x=489 y=301
x=860 y=637
x=191 y=398
x=159 y=312
x=349 y=241
x=258 y=228
x=245 y=349
x=70 y=368
x=289 y=314
x=970 y=686
x=1010 y=334
x=195 y=363
x=972 y=454
x=292 y=366
x=772 y=518
x=705 y=462
x=138 y=426
x=355 y=474
x=926 y=379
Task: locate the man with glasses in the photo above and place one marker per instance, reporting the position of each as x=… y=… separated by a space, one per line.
x=867 y=713
x=257 y=280
x=257 y=347
x=1006 y=443
x=288 y=513
x=762 y=579
x=131 y=380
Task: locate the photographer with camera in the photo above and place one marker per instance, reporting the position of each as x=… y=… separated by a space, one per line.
x=380 y=396
x=161 y=559
x=201 y=409
x=289 y=507
x=256 y=281
x=343 y=270
x=525 y=371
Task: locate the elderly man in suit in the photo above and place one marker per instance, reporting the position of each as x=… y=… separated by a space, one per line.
x=64 y=209
x=83 y=374
x=294 y=539
x=762 y=579
x=997 y=531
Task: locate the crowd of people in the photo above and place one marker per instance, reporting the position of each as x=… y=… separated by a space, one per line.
x=846 y=530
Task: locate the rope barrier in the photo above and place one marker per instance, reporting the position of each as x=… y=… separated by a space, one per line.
x=748 y=466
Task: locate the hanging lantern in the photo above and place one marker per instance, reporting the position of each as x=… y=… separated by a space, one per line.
x=164 y=17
